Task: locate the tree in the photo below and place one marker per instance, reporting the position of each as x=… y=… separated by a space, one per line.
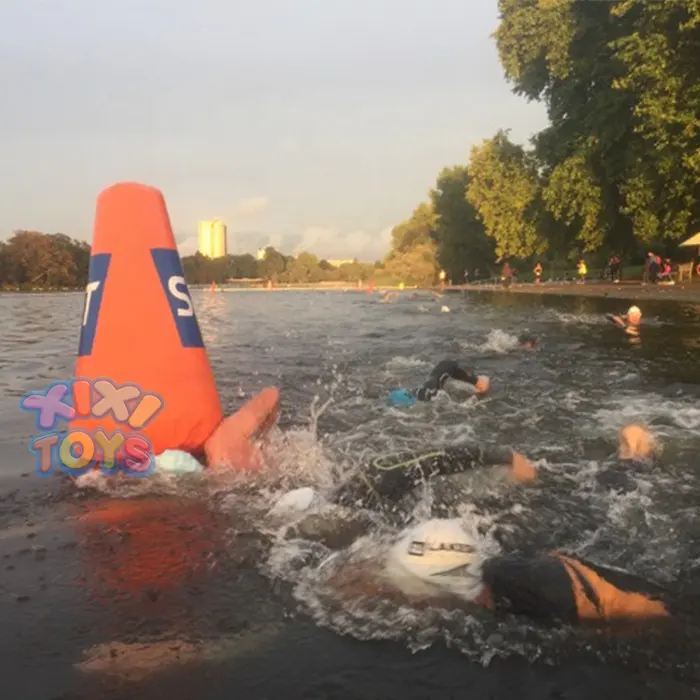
x=243 y=267
x=38 y=260
x=195 y=268
x=574 y=198
x=304 y=268
x=620 y=82
x=560 y=52
x=355 y=271
x=414 y=266
x=273 y=264
x=418 y=229
x=662 y=70
x=504 y=190
x=463 y=244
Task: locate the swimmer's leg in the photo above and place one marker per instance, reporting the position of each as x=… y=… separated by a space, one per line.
x=559 y=587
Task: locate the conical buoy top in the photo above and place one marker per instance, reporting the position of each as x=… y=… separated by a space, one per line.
x=140 y=341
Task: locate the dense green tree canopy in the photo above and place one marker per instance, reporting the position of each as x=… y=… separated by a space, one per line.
x=618 y=166
x=463 y=244
x=505 y=191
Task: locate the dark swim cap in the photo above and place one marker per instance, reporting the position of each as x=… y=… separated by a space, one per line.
x=527 y=339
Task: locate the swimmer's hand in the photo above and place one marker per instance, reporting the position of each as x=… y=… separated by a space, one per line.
x=482 y=384
x=617 y=320
x=522 y=469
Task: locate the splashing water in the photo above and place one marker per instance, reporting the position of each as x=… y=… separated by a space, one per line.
x=562 y=405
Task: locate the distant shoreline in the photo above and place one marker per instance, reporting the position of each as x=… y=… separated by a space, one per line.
x=633 y=291
x=332 y=287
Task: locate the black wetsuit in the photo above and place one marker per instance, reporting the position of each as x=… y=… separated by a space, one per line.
x=552 y=587
x=447 y=369
x=626 y=326
x=385 y=484
x=558 y=587
x=387 y=480
x=619 y=475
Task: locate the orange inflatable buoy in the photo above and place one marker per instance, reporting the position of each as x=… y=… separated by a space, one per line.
x=140 y=341
x=139 y=325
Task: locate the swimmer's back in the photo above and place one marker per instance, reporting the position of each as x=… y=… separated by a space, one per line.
x=389 y=478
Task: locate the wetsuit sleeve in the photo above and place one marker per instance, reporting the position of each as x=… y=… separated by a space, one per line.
x=335 y=529
x=558 y=587
x=447 y=369
x=394 y=476
x=616 y=478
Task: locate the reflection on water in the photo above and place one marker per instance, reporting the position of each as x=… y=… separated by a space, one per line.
x=148 y=589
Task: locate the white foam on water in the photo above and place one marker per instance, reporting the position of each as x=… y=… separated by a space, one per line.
x=497 y=341
x=672 y=418
x=634 y=531
x=402 y=362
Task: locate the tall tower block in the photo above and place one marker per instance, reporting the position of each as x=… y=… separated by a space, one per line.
x=212 y=238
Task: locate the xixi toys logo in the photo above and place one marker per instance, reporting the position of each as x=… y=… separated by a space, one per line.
x=77 y=451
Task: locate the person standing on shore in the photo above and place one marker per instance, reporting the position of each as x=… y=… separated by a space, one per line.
x=614 y=268
x=582 y=270
x=651 y=268
x=538 y=273
x=507 y=275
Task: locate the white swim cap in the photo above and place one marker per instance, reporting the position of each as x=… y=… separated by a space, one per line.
x=442 y=554
x=634 y=311
x=177 y=462
x=297 y=501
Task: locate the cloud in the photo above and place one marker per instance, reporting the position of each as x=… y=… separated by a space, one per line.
x=187 y=245
x=332 y=244
x=247 y=209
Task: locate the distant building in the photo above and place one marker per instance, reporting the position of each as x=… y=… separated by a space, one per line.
x=260 y=255
x=338 y=263
x=212 y=238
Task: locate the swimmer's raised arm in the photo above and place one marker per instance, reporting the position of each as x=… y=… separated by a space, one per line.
x=449 y=369
x=444 y=370
x=393 y=476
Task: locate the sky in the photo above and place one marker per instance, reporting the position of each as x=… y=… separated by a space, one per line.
x=304 y=124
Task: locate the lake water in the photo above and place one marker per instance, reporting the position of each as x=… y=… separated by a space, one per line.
x=178 y=588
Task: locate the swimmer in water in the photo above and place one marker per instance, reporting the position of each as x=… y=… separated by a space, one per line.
x=637 y=451
x=385 y=485
x=439 y=560
x=630 y=322
x=447 y=369
x=387 y=480
x=527 y=341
